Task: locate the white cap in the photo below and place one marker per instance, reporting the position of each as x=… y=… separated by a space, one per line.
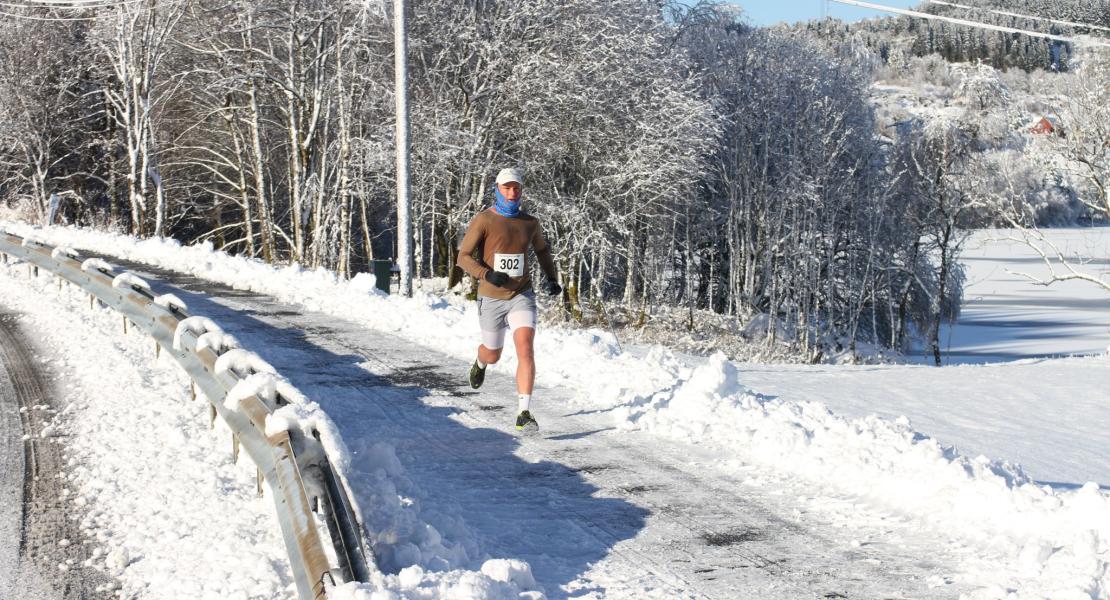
x=507 y=175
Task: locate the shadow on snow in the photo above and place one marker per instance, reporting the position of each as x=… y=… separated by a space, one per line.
x=459 y=478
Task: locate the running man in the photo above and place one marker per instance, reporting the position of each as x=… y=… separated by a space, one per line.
x=500 y=237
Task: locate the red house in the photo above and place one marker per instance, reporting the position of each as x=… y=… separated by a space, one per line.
x=1045 y=126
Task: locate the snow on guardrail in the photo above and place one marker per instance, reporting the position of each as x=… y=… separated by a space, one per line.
x=295 y=446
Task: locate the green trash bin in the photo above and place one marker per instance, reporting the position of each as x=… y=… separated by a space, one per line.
x=383 y=272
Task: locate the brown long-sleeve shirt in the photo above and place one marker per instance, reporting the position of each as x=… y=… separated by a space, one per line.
x=501 y=244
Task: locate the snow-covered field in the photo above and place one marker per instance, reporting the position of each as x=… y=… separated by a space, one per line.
x=1031 y=540
x=1011 y=392
x=1005 y=317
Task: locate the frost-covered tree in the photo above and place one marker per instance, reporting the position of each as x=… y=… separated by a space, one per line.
x=803 y=233
x=892 y=37
x=44 y=120
x=981 y=86
x=936 y=177
x=133 y=40
x=588 y=97
x=1086 y=122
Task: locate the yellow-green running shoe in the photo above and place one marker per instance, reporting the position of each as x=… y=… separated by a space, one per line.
x=526 y=422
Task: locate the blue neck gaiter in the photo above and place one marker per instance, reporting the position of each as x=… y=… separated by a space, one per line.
x=503 y=206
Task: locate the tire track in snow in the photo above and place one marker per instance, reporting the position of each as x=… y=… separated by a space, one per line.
x=33 y=479
x=12 y=460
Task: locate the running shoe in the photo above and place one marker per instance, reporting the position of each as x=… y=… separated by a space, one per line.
x=525 y=421
x=477 y=375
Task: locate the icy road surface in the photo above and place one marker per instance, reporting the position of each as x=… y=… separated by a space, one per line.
x=595 y=513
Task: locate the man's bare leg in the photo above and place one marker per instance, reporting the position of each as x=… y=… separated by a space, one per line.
x=523 y=338
x=488 y=356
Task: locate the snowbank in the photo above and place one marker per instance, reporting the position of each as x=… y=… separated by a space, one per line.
x=1060 y=540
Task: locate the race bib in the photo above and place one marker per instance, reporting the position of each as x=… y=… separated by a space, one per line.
x=509 y=264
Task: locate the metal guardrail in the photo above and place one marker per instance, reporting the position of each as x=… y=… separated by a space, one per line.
x=285 y=459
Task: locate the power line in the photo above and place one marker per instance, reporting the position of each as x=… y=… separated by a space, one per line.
x=48 y=18
x=921 y=15
x=62 y=3
x=1005 y=13
x=67 y=5
x=64 y=6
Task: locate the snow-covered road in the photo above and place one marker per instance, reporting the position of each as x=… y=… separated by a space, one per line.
x=596 y=514
x=657 y=475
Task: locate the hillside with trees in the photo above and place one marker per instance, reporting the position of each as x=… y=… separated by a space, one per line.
x=897 y=39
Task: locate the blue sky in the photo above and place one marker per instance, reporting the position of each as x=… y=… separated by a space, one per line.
x=769 y=12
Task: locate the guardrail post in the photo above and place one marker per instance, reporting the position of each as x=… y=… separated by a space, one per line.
x=125 y=326
x=193 y=391
x=234 y=448
x=258 y=482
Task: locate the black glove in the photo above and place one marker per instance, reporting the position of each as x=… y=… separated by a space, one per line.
x=551 y=288
x=497 y=278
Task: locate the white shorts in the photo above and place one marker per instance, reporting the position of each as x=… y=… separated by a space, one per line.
x=495 y=316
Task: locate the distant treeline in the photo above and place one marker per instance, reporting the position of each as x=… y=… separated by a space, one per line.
x=894 y=38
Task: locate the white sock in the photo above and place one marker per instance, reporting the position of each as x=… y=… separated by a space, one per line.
x=481 y=365
x=524 y=400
